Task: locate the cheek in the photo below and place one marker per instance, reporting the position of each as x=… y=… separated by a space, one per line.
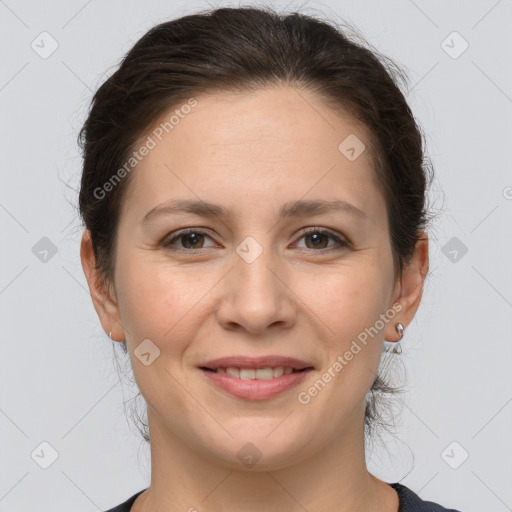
x=161 y=301
x=347 y=299
x=348 y=304
x=150 y=299
x=157 y=303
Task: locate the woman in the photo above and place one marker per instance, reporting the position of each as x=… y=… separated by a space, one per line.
x=253 y=194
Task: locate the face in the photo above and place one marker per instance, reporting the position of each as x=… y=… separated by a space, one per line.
x=252 y=283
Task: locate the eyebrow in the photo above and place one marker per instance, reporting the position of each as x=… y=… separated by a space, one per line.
x=292 y=209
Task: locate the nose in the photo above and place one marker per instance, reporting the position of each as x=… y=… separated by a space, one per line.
x=256 y=296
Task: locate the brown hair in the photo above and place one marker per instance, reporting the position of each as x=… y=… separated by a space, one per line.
x=243 y=49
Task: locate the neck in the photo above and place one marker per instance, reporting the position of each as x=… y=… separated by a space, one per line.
x=333 y=479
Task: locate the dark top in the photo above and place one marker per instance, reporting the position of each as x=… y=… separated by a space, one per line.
x=409 y=502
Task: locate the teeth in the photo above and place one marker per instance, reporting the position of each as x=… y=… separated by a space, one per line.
x=264 y=374
x=247 y=374
x=234 y=372
x=260 y=374
x=278 y=371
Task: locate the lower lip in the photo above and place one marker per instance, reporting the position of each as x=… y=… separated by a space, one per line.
x=256 y=389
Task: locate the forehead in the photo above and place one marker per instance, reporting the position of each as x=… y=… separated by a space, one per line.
x=281 y=140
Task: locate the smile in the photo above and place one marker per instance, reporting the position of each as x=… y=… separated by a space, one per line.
x=251 y=384
x=260 y=374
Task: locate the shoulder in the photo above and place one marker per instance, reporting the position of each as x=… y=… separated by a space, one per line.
x=126 y=505
x=411 y=502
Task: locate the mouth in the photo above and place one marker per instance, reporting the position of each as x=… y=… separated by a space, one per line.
x=257 y=363
x=256 y=378
x=256 y=374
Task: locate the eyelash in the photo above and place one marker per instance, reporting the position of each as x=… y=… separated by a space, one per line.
x=341 y=243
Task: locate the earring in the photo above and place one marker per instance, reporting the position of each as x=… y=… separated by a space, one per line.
x=110 y=336
x=398 y=347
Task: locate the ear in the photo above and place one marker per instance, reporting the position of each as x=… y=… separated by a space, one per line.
x=409 y=287
x=103 y=296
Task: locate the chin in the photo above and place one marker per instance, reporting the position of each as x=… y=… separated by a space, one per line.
x=261 y=452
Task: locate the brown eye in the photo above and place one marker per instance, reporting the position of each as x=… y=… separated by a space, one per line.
x=319 y=239
x=191 y=239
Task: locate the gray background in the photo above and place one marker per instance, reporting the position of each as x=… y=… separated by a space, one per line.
x=58 y=379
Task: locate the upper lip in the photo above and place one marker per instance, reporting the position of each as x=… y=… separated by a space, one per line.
x=272 y=361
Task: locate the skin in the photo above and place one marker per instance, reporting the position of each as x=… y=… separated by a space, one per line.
x=253 y=152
